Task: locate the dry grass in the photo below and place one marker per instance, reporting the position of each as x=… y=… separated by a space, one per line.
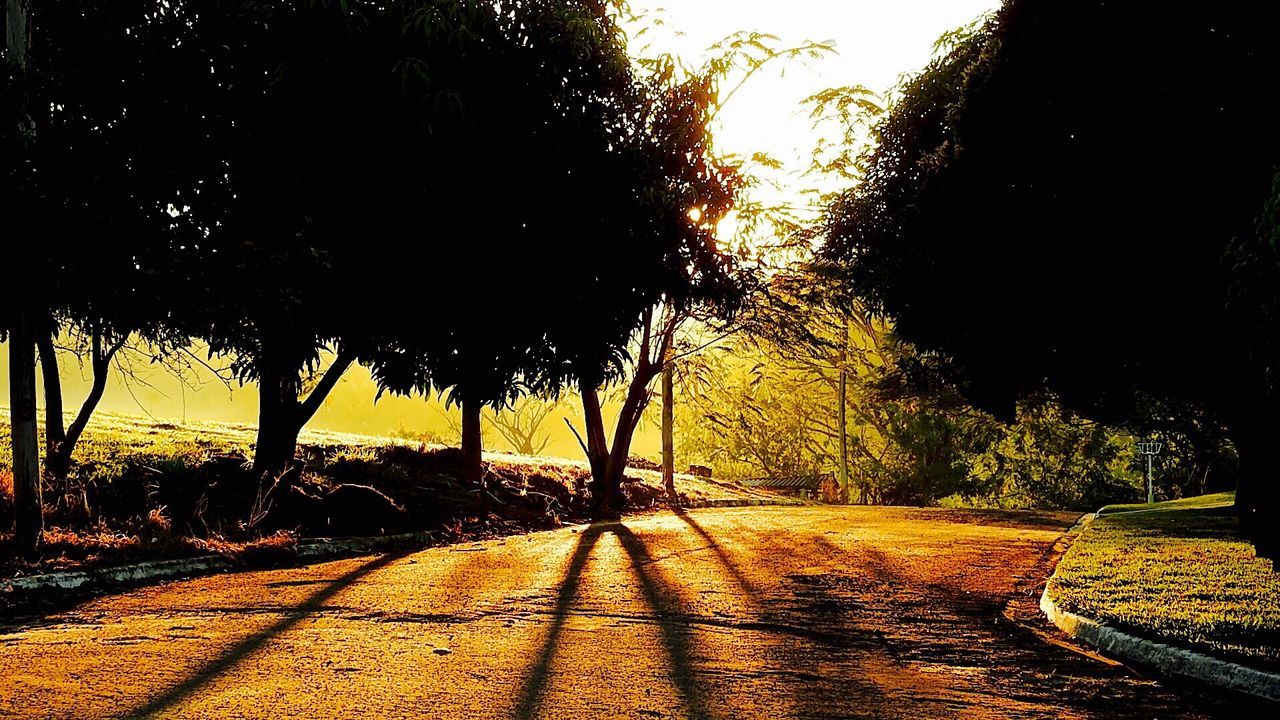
x=1179 y=572
x=85 y=549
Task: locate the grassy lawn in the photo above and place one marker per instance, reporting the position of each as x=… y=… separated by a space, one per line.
x=1179 y=572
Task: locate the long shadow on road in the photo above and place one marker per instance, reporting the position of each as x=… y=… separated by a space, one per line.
x=722 y=556
x=536 y=684
x=676 y=636
x=229 y=659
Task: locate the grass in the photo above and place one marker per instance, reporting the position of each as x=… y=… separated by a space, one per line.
x=111 y=441
x=142 y=489
x=1199 y=502
x=1178 y=572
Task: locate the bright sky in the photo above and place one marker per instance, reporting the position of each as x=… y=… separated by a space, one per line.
x=876 y=42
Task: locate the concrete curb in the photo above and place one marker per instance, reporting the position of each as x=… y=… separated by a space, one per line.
x=732 y=503
x=1165 y=658
x=144 y=572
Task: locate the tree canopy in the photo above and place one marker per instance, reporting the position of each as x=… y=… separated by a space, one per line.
x=1050 y=202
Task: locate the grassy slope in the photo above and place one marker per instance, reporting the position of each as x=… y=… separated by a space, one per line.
x=1179 y=572
x=114 y=445
x=111 y=438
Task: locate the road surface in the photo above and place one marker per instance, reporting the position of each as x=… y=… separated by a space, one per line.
x=743 y=613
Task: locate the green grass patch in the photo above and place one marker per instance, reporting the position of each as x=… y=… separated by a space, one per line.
x=1178 y=572
x=1199 y=502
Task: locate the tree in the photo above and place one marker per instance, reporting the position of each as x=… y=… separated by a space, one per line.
x=705 y=280
x=89 y=183
x=536 y=160
x=1033 y=240
x=520 y=424
x=1050 y=458
x=309 y=134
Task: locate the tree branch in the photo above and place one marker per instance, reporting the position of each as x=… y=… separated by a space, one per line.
x=307 y=409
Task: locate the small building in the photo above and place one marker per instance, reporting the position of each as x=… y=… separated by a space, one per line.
x=805 y=487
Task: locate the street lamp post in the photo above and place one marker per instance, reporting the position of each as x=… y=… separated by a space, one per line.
x=1150 y=448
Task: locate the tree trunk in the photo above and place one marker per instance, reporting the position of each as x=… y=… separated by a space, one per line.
x=472 y=441
x=278 y=422
x=842 y=413
x=54 y=429
x=281 y=416
x=58 y=462
x=628 y=418
x=609 y=464
x=29 y=507
x=16 y=35
x=1258 y=491
x=597 y=447
x=668 y=431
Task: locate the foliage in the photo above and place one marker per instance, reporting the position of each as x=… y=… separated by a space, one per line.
x=979 y=148
x=748 y=419
x=81 y=166
x=1032 y=238
x=535 y=109
x=1051 y=458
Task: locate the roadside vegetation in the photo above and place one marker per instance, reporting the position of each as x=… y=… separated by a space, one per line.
x=141 y=489
x=1180 y=572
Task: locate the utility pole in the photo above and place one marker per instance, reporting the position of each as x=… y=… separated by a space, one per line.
x=1150 y=448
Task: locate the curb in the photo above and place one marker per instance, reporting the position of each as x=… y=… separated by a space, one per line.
x=144 y=572
x=1165 y=658
x=732 y=503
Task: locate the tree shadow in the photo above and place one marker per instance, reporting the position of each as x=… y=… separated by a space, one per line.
x=726 y=561
x=246 y=647
x=536 y=684
x=676 y=636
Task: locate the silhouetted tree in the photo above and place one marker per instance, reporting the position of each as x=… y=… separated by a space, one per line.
x=533 y=169
x=686 y=191
x=83 y=194
x=309 y=136
x=1050 y=201
x=521 y=423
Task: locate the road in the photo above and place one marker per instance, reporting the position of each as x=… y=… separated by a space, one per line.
x=732 y=613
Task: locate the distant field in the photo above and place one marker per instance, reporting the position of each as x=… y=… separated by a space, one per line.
x=1178 y=571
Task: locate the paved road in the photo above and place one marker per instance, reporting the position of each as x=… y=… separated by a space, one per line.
x=750 y=613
